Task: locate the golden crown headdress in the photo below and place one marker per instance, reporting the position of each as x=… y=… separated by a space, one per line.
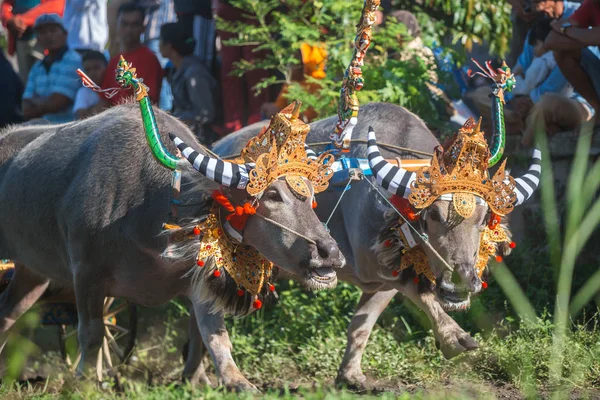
x=279 y=151
x=463 y=168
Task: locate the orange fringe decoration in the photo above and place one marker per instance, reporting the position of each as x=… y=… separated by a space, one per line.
x=238 y=214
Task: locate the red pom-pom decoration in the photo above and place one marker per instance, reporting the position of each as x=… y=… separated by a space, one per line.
x=217 y=273
x=499 y=259
x=271 y=287
x=387 y=243
x=196 y=231
x=314 y=204
x=512 y=245
x=240 y=292
x=416 y=279
x=257 y=304
x=395 y=272
x=484 y=285
x=200 y=263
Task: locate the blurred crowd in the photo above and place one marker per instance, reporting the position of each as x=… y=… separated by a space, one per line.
x=555 y=57
x=177 y=50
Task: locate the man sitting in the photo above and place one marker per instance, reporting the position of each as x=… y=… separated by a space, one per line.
x=53 y=81
x=575 y=43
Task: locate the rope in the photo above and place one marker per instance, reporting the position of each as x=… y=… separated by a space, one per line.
x=424 y=238
x=309 y=240
x=360 y=141
x=336 y=205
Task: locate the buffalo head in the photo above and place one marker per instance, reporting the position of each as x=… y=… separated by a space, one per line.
x=285 y=228
x=450 y=241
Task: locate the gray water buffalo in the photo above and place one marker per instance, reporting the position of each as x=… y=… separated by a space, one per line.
x=361 y=236
x=83 y=206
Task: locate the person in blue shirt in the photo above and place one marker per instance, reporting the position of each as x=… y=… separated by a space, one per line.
x=53 y=82
x=556 y=81
x=576 y=42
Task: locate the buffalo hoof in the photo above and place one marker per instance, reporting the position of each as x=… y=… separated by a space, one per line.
x=452 y=340
x=240 y=385
x=352 y=380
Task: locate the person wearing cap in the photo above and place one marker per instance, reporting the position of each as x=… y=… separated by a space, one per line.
x=18 y=17
x=53 y=81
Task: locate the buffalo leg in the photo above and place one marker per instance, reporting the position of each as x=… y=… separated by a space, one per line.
x=89 y=294
x=24 y=289
x=196 y=361
x=450 y=337
x=368 y=310
x=216 y=339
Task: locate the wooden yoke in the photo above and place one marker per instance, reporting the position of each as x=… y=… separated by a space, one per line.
x=411 y=165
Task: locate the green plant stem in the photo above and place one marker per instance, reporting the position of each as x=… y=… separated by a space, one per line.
x=515 y=294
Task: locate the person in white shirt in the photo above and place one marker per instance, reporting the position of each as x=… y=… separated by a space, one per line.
x=86 y=100
x=87 y=25
x=558 y=111
x=542 y=64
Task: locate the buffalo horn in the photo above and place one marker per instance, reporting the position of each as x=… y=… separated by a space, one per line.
x=223 y=172
x=395 y=180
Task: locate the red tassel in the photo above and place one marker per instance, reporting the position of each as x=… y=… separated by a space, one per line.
x=200 y=263
x=196 y=231
x=403 y=205
x=257 y=304
x=499 y=259
x=512 y=245
x=387 y=243
x=220 y=198
x=271 y=287
x=484 y=285
x=314 y=204
x=395 y=273
x=217 y=273
x=240 y=292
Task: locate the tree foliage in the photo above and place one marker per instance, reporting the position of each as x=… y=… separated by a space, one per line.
x=279 y=27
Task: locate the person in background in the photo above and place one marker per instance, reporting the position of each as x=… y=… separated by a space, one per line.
x=576 y=48
x=197 y=19
x=86 y=23
x=86 y=100
x=192 y=84
x=53 y=82
x=158 y=13
x=18 y=16
x=561 y=111
x=543 y=62
x=313 y=65
x=130 y=28
x=11 y=94
x=238 y=96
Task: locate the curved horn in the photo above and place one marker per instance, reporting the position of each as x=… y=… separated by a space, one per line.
x=224 y=173
x=395 y=180
x=310 y=153
x=526 y=184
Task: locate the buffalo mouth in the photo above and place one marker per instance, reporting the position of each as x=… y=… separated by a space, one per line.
x=453 y=300
x=320 y=278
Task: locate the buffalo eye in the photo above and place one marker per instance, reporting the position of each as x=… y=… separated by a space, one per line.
x=434 y=215
x=274 y=195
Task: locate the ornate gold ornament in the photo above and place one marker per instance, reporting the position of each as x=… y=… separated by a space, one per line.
x=463 y=169
x=279 y=151
x=417 y=259
x=488 y=245
x=248 y=268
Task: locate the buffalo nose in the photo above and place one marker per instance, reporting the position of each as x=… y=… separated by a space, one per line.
x=328 y=249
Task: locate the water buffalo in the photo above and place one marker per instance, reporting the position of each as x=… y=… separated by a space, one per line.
x=361 y=236
x=83 y=207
